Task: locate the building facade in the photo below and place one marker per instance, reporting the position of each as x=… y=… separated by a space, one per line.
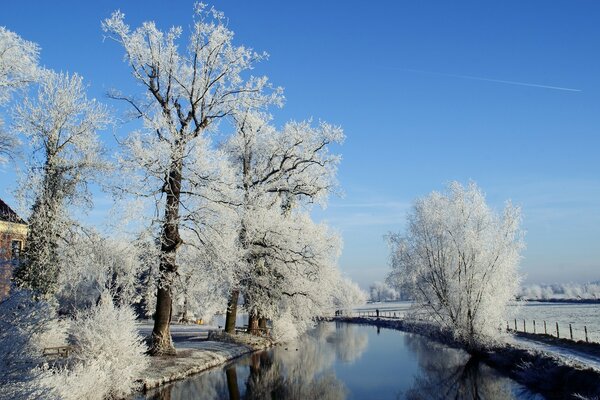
x=13 y=232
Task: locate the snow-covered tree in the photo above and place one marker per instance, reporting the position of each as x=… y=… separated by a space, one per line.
x=460 y=258
x=92 y=264
x=276 y=173
x=18 y=68
x=294 y=269
x=188 y=89
x=61 y=124
x=379 y=291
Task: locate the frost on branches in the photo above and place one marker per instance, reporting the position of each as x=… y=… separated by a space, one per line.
x=61 y=124
x=188 y=89
x=460 y=260
x=18 y=68
x=107 y=353
x=22 y=320
x=287 y=263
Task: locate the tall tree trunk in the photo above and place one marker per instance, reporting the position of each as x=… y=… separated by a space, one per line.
x=170 y=240
x=231 y=315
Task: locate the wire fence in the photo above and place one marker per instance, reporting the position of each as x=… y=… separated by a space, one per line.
x=555 y=329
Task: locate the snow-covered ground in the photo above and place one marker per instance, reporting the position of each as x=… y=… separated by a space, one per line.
x=183 y=334
x=400 y=307
x=194 y=352
x=576 y=314
x=568 y=354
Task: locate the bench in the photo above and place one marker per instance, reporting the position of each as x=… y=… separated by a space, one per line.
x=59 y=351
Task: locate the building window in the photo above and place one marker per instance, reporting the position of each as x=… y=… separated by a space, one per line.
x=15 y=247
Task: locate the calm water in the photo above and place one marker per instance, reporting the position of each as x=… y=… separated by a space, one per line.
x=346 y=361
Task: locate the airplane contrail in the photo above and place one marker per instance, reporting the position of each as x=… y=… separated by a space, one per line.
x=477 y=78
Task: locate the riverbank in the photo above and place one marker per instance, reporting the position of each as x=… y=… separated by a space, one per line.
x=197 y=354
x=540 y=371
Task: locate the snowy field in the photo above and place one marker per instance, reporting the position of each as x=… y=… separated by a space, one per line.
x=578 y=315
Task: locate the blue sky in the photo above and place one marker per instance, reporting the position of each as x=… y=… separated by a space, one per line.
x=426 y=91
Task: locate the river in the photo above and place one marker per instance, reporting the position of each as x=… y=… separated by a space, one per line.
x=348 y=361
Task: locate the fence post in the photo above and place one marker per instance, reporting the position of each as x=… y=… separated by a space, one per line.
x=507 y=327
x=571 y=331
x=545 y=330
x=515 y=325
x=557 y=332
x=534 y=326
x=586 y=337
x=524 y=328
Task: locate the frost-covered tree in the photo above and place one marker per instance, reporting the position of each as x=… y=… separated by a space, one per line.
x=294 y=271
x=61 y=124
x=277 y=171
x=379 y=291
x=188 y=89
x=460 y=259
x=18 y=68
x=93 y=264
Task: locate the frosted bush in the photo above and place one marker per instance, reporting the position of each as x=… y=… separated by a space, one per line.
x=108 y=354
x=22 y=320
x=54 y=334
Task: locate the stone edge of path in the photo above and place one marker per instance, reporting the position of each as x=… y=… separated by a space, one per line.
x=189 y=361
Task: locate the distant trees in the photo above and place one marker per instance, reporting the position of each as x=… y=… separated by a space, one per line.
x=379 y=291
x=460 y=259
x=567 y=291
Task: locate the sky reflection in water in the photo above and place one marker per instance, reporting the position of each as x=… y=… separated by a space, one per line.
x=346 y=361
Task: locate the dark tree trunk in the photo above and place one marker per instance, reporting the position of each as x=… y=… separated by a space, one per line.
x=262 y=324
x=252 y=322
x=170 y=240
x=232 y=384
x=231 y=311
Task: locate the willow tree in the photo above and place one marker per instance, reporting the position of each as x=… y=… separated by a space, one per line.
x=187 y=91
x=61 y=124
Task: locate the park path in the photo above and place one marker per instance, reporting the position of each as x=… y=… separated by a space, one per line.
x=195 y=353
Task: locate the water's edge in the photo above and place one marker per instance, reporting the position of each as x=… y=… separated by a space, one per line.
x=538 y=371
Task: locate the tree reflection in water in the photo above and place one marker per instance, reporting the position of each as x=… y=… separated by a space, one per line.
x=447 y=373
x=299 y=370
x=306 y=369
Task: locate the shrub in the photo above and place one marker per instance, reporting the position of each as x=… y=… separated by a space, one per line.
x=108 y=355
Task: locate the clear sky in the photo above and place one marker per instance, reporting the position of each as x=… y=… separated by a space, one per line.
x=504 y=93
